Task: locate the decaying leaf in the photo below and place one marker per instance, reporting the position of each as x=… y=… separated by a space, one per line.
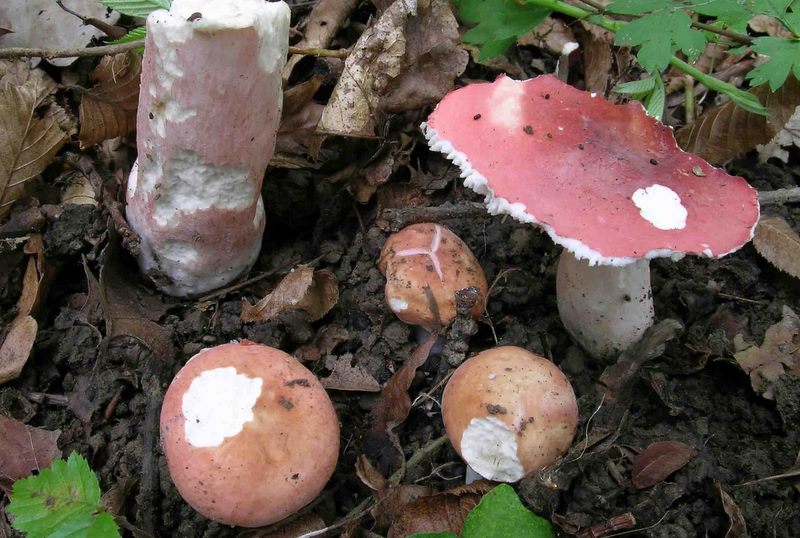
x=109 y=109
x=32 y=129
x=406 y=60
x=349 y=377
x=391 y=498
x=787 y=137
x=325 y=341
x=324 y=22
x=550 y=34
x=658 y=461
x=727 y=131
x=43 y=24
x=24 y=449
x=300 y=117
x=314 y=292
x=598 y=57
x=21 y=334
x=442 y=512
x=778 y=354
x=301 y=526
x=779 y=244
x=738 y=528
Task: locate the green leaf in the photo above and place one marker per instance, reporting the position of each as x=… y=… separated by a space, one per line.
x=639 y=7
x=784 y=58
x=499 y=23
x=732 y=15
x=659 y=35
x=501 y=513
x=134 y=35
x=136 y=8
x=637 y=87
x=655 y=101
x=62 y=501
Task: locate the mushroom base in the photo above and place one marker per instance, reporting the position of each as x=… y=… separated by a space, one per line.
x=604 y=308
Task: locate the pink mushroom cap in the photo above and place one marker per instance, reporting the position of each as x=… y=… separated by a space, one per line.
x=607 y=182
x=249 y=433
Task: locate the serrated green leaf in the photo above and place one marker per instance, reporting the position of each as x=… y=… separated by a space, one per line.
x=732 y=15
x=500 y=513
x=62 y=501
x=659 y=35
x=134 y=35
x=784 y=58
x=656 y=99
x=640 y=7
x=498 y=23
x=136 y=8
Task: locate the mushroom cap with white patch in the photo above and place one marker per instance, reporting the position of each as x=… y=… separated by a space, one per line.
x=249 y=433
x=509 y=412
x=607 y=182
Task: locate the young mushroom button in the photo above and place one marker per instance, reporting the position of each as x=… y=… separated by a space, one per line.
x=606 y=182
x=249 y=434
x=424 y=257
x=509 y=412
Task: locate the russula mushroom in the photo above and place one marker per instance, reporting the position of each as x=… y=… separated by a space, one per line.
x=605 y=181
x=509 y=413
x=208 y=114
x=429 y=256
x=249 y=434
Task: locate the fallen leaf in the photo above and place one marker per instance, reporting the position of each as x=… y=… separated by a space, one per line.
x=109 y=109
x=324 y=21
x=314 y=292
x=43 y=24
x=300 y=117
x=550 y=34
x=658 y=461
x=32 y=131
x=727 y=131
x=442 y=512
x=407 y=59
x=302 y=526
x=787 y=137
x=16 y=347
x=779 y=353
x=738 y=528
x=779 y=244
x=349 y=377
x=598 y=58
x=764 y=24
x=24 y=449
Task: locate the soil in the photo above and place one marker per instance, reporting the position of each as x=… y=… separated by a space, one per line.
x=693 y=393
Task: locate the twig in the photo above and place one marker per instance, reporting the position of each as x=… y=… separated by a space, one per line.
x=105 y=50
x=393 y=219
x=779 y=196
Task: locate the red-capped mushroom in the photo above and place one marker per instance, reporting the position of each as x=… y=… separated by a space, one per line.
x=208 y=115
x=607 y=182
x=509 y=412
x=249 y=434
x=429 y=256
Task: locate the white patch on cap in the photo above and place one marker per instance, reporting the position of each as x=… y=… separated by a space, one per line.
x=506 y=99
x=661 y=207
x=397 y=304
x=490 y=448
x=217 y=405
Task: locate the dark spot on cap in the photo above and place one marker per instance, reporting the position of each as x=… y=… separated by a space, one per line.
x=528 y=129
x=495 y=409
x=653 y=161
x=549 y=136
x=300 y=382
x=286 y=404
x=476 y=117
x=580 y=147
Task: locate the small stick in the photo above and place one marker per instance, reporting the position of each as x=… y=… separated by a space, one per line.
x=105 y=50
x=616 y=523
x=779 y=196
x=394 y=219
x=40 y=397
x=112 y=405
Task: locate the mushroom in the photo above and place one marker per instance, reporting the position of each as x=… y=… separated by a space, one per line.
x=429 y=256
x=249 y=434
x=606 y=182
x=206 y=125
x=509 y=412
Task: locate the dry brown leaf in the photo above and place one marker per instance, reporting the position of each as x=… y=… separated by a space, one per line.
x=727 y=131
x=778 y=354
x=21 y=335
x=109 y=109
x=779 y=244
x=301 y=526
x=32 y=130
x=324 y=22
x=407 y=59
x=550 y=34
x=314 y=292
x=658 y=461
x=300 y=117
x=764 y=24
x=441 y=512
x=16 y=347
x=738 y=528
x=24 y=449
x=349 y=377
x=598 y=58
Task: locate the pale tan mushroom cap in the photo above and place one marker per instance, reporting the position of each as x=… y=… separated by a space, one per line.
x=429 y=255
x=249 y=433
x=509 y=412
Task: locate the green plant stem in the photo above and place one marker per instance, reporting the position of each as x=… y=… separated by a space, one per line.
x=613 y=25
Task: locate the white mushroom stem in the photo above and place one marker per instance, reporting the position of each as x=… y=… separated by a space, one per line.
x=208 y=114
x=605 y=308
